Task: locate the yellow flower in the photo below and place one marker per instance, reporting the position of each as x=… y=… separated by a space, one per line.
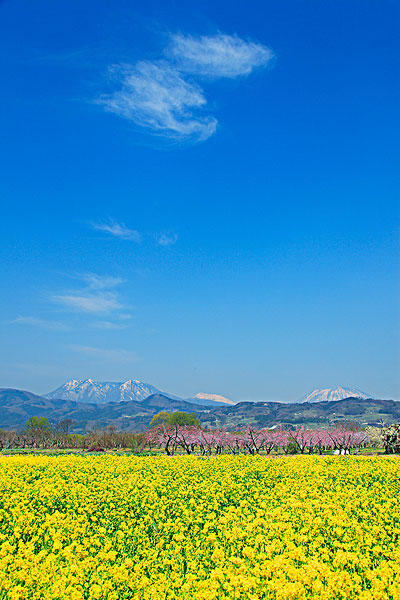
x=235 y=527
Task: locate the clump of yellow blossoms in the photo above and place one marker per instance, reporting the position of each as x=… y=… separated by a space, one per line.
x=228 y=527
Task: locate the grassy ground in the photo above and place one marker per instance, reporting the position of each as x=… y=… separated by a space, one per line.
x=65 y=451
x=127 y=452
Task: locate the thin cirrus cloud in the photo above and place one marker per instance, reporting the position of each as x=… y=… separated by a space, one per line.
x=98 y=297
x=99 y=282
x=108 y=325
x=118 y=230
x=161 y=96
x=107 y=354
x=155 y=97
x=167 y=239
x=89 y=303
x=121 y=231
x=40 y=323
x=218 y=55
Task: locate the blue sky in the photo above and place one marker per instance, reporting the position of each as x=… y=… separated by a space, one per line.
x=200 y=195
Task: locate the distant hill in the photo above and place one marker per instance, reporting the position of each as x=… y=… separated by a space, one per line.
x=161 y=402
x=17 y=406
x=319 y=414
x=328 y=395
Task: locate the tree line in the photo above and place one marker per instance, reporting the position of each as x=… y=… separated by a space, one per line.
x=175 y=432
x=182 y=432
x=39 y=433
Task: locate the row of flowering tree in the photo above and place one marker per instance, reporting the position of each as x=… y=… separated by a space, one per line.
x=38 y=434
x=249 y=440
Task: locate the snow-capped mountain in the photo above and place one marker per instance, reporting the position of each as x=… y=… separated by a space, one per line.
x=213 y=397
x=329 y=395
x=96 y=392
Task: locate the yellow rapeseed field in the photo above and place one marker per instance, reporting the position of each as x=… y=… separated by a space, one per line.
x=228 y=527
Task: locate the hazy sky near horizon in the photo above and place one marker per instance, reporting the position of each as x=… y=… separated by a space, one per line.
x=201 y=195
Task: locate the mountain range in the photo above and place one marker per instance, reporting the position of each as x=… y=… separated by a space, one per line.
x=99 y=392
x=17 y=406
x=332 y=395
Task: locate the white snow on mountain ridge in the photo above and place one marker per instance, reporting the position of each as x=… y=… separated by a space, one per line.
x=96 y=392
x=329 y=395
x=99 y=392
x=215 y=397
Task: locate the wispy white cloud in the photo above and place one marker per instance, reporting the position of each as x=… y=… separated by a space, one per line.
x=98 y=297
x=155 y=96
x=118 y=230
x=167 y=239
x=107 y=354
x=108 y=325
x=217 y=55
x=89 y=303
x=100 y=282
x=162 y=97
x=40 y=323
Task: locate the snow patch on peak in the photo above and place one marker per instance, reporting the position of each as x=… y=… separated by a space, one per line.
x=334 y=394
x=97 y=392
x=215 y=397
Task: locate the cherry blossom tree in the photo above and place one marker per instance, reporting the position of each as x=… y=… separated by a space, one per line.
x=302 y=438
x=345 y=439
x=178 y=430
